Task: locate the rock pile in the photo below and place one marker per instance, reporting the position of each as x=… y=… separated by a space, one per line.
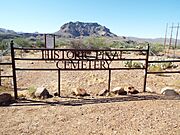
x=118 y=91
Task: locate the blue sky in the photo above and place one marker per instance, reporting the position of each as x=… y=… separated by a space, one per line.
x=139 y=18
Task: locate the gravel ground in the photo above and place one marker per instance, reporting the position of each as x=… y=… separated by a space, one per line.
x=91 y=116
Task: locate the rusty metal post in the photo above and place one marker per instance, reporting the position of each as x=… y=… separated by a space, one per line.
x=14 y=70
x=59 y=83
x=146 y=68
x=54 y=40
x=109 y=81
x=0 y=77
x=45 y=40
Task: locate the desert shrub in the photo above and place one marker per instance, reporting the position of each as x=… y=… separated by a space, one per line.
x=77 y=44
x=39 y=43
x=22 y=42
x=4 y=44
x=31 y=90
x=128 y=63
x=156 y=49
x=168 y=65
x=155 y=68
x=161 y=66
x=133 y=64
x=60 y=43
x=96 y=42
x=117 y=44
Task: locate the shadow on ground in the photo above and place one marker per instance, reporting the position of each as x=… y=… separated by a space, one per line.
x=74 y=101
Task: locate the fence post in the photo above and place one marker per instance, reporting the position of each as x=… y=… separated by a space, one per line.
x=109 y=81
x=14 y=70
x=146 y=68
x=0 y=77
x=59 y=83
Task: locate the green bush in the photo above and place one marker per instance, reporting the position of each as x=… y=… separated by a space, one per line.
x=31 y=91
x=4 y=44
x=155 y=68
x=156 y=49
x=133 y=64
x=96 y=42
x=22 y=42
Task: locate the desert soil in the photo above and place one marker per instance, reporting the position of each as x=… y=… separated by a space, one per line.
x=144 y=113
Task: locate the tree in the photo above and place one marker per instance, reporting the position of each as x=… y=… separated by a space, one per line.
x=22 y=42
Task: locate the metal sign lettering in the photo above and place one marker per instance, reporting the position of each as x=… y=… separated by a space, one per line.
x=82 y=59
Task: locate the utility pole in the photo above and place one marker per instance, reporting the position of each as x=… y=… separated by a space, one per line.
x=165 y=36
x=171 y=36
x=176 y=36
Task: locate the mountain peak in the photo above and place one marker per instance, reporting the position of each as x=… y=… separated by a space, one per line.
x=80 y=29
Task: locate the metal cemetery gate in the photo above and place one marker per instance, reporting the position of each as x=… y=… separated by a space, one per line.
x=81 y=59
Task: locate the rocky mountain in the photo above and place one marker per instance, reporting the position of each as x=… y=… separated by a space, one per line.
x=81 y=29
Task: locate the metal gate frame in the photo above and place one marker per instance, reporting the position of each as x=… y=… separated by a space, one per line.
x=44 y=50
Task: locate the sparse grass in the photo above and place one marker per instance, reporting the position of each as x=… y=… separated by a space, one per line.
x=155 y=68
x=133 y=64
x=5 y=89
x=177 y=84
x=31 y=90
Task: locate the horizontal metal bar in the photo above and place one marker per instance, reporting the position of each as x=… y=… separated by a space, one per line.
x=45 y=69
x=167 y=72
x=93 y=50
x=163 y=61
x=38 y=59
x=5 y=63
x=37 y=69
x=6 y=76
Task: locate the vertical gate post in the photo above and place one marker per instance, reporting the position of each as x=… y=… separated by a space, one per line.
x=0 y=77
x=109 y=81
x=146 y=68
x=14 y=70
x=59 y=83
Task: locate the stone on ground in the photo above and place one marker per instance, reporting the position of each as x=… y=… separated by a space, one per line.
x=149 y=90
x=80 y=92
x=167 y=91
x=119 y=91
x=5 y=99
x=42 y=92
x=103 y=92
x=132 y=90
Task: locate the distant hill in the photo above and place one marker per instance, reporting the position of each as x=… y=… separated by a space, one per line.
x=153 y=40
x=81 y=29
x=11 y=34
x=5 y=31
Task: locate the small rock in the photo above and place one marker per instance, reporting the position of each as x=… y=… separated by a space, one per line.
x=55 y=94
x=5 y=99
x=132 y=90
x=119 y=91
x=167 y=91
x=42 y=92
x=80 y=92
x=103 y=92
x=149 y=90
